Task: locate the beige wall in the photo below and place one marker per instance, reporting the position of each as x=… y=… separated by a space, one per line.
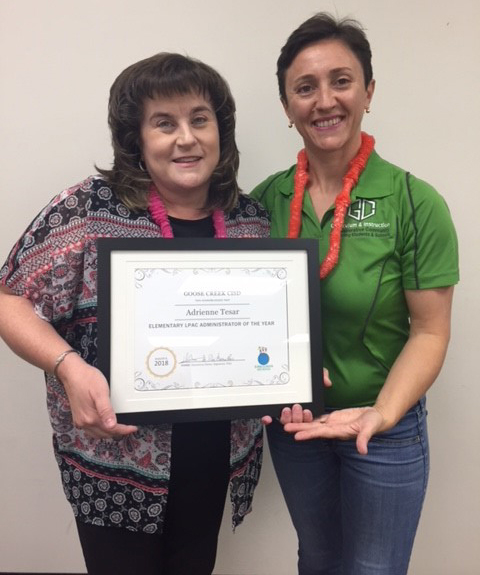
x=57 y=61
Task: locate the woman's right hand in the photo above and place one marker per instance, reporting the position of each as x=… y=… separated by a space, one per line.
x=88 y=394
x=36 y=341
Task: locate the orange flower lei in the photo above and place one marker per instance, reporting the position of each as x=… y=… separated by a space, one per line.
x=342 y=201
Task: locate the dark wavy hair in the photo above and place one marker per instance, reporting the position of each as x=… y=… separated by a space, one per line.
x=168 y=75
x=324 y=26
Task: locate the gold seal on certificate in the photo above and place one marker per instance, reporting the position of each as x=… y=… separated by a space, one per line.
x=161 y=362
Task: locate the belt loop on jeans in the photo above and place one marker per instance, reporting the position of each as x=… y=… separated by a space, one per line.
x=420 y=407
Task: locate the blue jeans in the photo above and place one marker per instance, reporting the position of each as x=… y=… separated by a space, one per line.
x=355 y=514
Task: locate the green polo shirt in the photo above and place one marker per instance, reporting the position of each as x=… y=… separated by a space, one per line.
x=397 y=236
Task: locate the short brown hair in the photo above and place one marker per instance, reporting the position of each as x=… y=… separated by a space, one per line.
x=324 y=26
x=168 y=75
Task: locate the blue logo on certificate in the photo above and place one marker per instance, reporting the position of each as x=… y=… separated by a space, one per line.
x=263 y=359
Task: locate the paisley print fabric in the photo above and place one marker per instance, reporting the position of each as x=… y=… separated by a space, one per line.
x=54 y=264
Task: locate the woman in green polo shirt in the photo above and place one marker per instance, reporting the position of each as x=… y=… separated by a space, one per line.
x=354 y=480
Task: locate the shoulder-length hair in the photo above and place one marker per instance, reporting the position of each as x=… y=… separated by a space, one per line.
x=167 y=75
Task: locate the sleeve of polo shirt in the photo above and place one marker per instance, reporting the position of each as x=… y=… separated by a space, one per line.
x=430 y=248
x=264 y=193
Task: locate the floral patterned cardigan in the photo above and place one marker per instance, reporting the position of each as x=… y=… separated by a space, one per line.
x=54 y=264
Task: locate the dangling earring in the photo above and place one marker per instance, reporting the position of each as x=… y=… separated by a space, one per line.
x=141 y=165
x=291 y=124
x=367 y=110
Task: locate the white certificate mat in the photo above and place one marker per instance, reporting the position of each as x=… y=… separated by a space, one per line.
x=196 y=332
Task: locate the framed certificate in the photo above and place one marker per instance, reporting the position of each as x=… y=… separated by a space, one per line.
x=205 y=329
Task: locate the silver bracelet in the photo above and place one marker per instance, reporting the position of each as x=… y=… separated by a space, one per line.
x=60 y=358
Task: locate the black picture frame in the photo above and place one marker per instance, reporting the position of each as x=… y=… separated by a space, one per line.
x=115 y=257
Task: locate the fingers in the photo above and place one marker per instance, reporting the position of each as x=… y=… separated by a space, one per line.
x=313 y=430
x=362 y=443
x=96 y=430
x=307 y=430
x=267 y=420
x=358 y=424
x=91 y=408
x=286 y=416
x=105 y=424
x=365 y=433
x=117 y=433
x=295 y=414
x=108 y=419
x=312 y=433
x=372 y=423
x=305 y=423
x=326 y=378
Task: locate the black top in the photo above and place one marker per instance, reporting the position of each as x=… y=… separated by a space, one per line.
x=202 y=228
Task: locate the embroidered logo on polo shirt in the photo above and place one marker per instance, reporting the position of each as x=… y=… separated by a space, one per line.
x=361 y=210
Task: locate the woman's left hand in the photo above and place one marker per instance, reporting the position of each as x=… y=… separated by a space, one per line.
x=356 y=422
x=296 y=413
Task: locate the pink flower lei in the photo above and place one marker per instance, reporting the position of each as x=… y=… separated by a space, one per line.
x=160 y=216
